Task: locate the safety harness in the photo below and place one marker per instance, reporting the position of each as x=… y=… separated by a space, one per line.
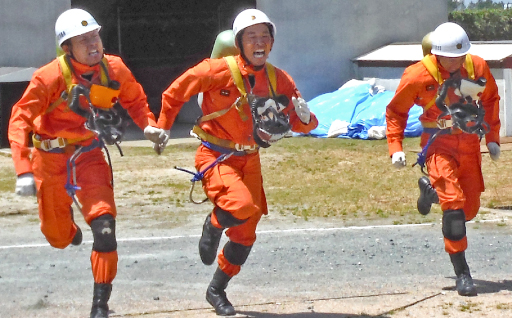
x=228 y=148
x=105 y=120
x=467 y=115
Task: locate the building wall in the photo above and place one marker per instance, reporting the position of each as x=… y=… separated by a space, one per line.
x=316 y=40
x=27 y=31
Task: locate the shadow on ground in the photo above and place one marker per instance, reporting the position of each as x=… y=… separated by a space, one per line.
x=253 y=314
x=486 y=287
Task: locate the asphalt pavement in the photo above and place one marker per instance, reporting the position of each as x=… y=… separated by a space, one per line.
x=367 y=269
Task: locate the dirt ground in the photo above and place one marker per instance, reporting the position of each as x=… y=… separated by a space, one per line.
x=393 y=271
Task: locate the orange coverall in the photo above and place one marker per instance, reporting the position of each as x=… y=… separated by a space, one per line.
x=236 y=184
x=93 y=173
x=453 y=160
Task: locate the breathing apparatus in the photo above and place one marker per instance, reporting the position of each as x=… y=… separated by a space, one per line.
x=467 y=114
x=270 y=123
x=107 y=121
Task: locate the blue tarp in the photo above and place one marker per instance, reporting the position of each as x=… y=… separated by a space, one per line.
x=360 y=107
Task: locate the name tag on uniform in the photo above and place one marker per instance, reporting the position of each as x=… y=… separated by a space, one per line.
x=224 y=92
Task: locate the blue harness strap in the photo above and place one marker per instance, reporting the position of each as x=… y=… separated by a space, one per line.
x=198 y=176
x=71 y=185
x=422 y=155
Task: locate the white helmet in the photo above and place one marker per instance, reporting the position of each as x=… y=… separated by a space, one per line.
x=74 y=22
x=251 y=17
x=450 y=40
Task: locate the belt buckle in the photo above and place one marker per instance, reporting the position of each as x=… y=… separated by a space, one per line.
x=49 y=144
x=45 y=145
x=444 y=123
x=239 y=147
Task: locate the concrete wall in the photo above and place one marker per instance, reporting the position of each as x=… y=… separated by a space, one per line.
x=27 y=31
x=316 y=40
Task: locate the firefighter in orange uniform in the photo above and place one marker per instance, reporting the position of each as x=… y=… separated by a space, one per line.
x=451 y=154
x=247 y=104
x=57 y=108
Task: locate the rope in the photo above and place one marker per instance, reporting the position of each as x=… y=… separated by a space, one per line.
x=422 y=155
x=71 y=184
x=198 y=176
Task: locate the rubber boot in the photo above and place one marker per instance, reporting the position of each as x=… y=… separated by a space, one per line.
x=428 y=195
x=209 y=242
x=464 y=283
x=216 y=296
x=100 y=300
x=77 y=239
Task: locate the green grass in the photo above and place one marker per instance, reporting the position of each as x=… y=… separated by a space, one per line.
x=344 y=179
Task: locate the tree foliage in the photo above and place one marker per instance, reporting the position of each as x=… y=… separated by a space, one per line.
x=485 y=4
x=488 y=24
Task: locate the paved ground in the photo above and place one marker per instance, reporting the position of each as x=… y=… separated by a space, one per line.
x=296 y=269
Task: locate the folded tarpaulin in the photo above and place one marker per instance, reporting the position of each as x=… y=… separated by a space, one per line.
x=358 y=111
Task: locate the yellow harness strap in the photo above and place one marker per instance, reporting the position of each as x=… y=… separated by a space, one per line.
x=59 y=142
x=222 y=142
x=239 y=82
x=470 y=68
x=67 y=72
x=434 y=71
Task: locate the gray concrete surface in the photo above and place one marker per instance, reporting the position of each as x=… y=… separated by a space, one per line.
x=296 y=269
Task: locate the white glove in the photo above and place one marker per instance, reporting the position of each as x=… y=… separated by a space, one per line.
x=25 y=185
x=159 y=147
x=156 y=135
x=494 y=150
x=398 y=159
x=302 y=109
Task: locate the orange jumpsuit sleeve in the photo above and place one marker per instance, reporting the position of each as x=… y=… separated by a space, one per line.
x=41 y=90
x=132 y=96
x=200 y=78
x=213 y=75
x=397 y=111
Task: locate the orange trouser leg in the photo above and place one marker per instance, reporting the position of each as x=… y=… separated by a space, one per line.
x=96 y=196
x=235 y=186
x=54 y=202
x=104 y=266
x=458 y=181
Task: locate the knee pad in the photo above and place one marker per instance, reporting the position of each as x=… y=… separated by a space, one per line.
x=236 y=253
x=226 y=219
x=454 y=224
x=104 y=233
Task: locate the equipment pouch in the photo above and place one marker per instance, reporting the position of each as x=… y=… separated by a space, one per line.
x=104 y=97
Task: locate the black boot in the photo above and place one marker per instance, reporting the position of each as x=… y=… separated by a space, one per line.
x=209 y=242
x=464 y=284
x=428 y=195
x=216 y=296
x=77 y=239
x=100 y=300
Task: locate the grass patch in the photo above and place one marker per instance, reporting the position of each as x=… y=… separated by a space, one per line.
x=345 y=179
